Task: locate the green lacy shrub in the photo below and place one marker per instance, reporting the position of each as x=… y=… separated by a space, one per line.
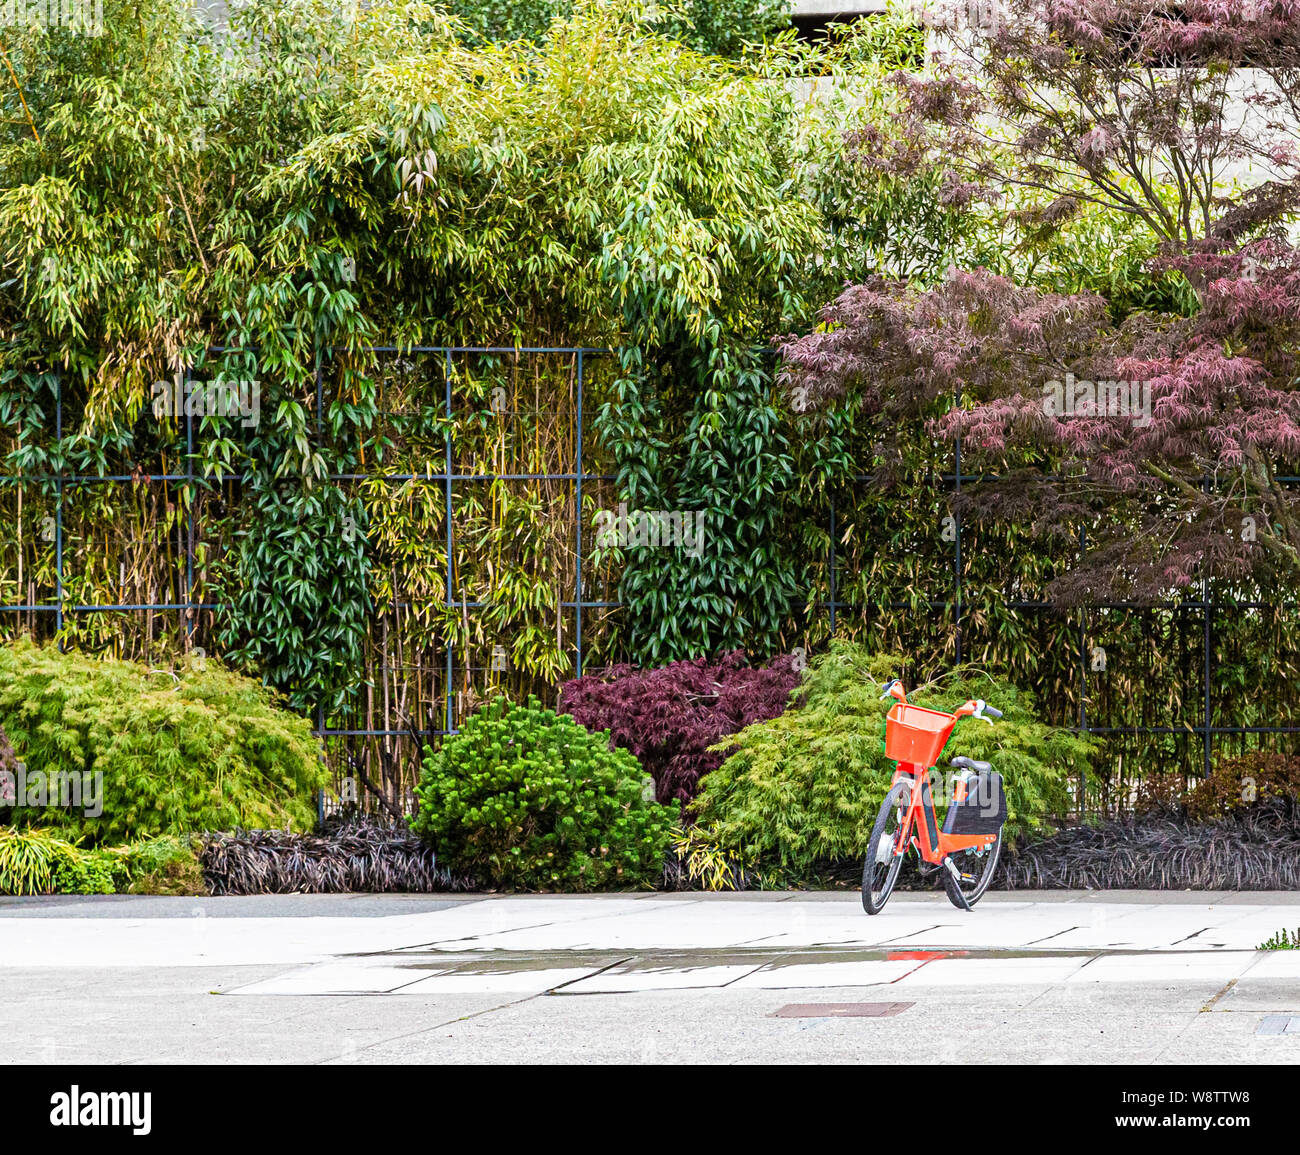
x=527 y=799
x=203 y=749
x=804 y=788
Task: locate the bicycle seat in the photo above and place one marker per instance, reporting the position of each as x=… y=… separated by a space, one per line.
x=971 y=764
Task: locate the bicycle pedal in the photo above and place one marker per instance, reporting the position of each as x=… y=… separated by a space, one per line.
x=960 y=876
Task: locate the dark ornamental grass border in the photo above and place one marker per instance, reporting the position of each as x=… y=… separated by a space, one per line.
x=1163 y=851
x=1259 y=850
x=359 y=855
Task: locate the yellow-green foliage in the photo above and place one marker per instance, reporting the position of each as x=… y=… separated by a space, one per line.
x=703 y=861
x=203 y=749
x=36 y=861
x=805 y=787
x=29 y=860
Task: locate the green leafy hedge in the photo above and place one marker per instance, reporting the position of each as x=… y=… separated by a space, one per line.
x=204 y=749
x=524 y=798
x=804 y=788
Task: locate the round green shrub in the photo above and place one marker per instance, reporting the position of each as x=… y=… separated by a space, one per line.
x=201 y=749
x=527 y=799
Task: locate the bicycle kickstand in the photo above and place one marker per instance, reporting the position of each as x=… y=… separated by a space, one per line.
x=952 y=869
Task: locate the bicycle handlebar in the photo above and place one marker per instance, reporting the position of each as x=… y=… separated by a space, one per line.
x=982 y=708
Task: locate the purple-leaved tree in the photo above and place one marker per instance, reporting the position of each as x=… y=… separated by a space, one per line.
x=1165 y=436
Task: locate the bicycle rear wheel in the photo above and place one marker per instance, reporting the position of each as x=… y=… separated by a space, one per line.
x=882 y=864
x=978 y=870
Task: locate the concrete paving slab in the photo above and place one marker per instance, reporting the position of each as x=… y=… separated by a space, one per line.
x=532 y=982
x=136 y=906
x=964 y=1024
x=983 y=972
x=1121 y=897
x=781 y=976
x=376 y=975
x=200 y=941
x=589 y=923
x=633 y=977
x=1230 y=1038
x=1163 y=967
x=1277 y=964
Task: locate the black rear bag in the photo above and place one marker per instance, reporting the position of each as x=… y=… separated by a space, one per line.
x=982 y=811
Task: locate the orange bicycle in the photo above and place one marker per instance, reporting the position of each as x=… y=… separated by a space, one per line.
x=966 y=850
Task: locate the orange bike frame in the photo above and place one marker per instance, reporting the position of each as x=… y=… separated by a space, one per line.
x=920 y=826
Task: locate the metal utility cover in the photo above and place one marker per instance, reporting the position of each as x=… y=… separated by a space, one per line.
x=841 y=1010
x=1279 y=1025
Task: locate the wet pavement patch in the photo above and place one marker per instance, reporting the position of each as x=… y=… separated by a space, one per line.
x=841 y=1010
x=1279 y=1025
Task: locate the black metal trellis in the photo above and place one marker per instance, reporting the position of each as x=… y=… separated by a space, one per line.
x=448 y=477
x=834 y=606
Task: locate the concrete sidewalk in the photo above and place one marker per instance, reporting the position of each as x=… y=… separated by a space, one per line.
x=127 y=931
x=1028 y=976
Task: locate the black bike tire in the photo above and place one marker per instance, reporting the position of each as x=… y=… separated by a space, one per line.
x=869 y=904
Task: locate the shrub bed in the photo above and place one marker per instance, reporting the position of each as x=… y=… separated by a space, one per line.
x=1257 y=849
x=31 y=861
x=202 y=749
x=35 y=861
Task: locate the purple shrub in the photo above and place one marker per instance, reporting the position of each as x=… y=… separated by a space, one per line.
x=669 y=717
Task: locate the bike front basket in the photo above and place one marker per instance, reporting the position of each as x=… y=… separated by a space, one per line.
x=916 y=735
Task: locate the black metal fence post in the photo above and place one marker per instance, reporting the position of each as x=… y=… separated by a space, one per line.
x=577 y=504
x=447 y=371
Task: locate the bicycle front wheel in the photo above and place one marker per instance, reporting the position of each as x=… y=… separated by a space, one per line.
x=884 y=858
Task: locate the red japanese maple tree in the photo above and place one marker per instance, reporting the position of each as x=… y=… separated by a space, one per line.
x=1167 y=436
